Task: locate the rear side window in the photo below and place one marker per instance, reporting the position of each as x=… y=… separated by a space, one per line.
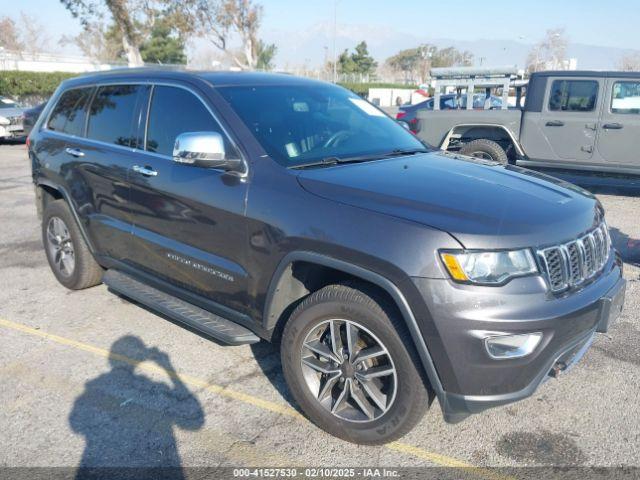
x=573 y=95
x=70 y=112
x=111 y=114
x=174 y=111
x=625 y=98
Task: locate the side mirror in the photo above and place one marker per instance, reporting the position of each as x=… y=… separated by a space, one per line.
x=204 y=149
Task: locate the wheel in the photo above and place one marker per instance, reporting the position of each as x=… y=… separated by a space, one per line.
x=67 y=252
x=350 y=365
x=485 y=149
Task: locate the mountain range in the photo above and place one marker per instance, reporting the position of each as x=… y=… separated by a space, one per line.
x=314 y=45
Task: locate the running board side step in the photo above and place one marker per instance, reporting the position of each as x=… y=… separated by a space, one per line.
x=195 y=317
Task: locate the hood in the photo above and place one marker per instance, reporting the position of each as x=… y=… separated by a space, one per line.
x=11 y=112
x=481 y=203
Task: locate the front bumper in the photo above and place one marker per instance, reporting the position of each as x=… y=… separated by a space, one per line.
x=464 y=315
x=11 y=131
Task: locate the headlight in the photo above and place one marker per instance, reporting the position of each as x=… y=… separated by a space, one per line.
x=488 y=268
x=4 y=121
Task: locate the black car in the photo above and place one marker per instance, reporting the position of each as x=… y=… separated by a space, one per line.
x=409 y=113
x=31 y=117
x=254 y=206
x=451 y=101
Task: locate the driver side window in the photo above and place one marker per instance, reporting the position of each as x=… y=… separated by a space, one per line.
x=173 y=111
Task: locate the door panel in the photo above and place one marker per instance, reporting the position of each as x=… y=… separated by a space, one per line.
x=94 y=174
x=189 y=225
x=108 y=154
x=619 y=127
x=105 y=173
x=565 y=130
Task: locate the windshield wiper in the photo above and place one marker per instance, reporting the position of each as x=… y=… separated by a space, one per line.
x=409 y=151
x=328 y=161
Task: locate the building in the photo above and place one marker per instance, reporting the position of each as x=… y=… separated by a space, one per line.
x=46 y=62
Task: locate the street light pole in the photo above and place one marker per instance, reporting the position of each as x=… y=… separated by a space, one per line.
x=335 y=21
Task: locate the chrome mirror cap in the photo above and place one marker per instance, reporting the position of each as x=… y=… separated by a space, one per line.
x=200 y=148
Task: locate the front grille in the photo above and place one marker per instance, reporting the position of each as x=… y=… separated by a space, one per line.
x=15 y=120
x=571 y=264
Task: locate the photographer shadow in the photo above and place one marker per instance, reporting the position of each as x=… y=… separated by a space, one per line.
x=626 y=246
x=128 y=419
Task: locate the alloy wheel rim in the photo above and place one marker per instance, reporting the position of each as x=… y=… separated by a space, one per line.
x=349 y=370
x=60 y=246
x=483 y=155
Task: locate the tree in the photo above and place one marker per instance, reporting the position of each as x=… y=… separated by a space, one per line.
x=357 y=62
x=450 y=57
x=415 y=63
x=134 y=19
x=245 y=18
x=266 y=54
x=630 y=62
x=406 y=62
x=88 y=12
x=100 y=43
x=163 y=47
x=550 y=53
x=9 y=36
x=345 y=63
x=364 y=62
x=217 y=20
x=27 y=36
x=34 y=34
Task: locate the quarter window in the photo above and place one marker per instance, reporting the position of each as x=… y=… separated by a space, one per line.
x=573 y=95
x=174 y=111
x=625 y=98
x=111 y=114
x=69 y=114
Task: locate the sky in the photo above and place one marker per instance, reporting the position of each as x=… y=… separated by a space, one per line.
x=607 y=23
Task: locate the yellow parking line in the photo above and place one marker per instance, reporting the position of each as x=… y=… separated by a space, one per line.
x=435 y=458
x=149 y=367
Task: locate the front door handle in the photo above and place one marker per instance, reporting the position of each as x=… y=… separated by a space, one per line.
x=74 y=152
x=146 y=171
x=555 y=123
x=612 y=126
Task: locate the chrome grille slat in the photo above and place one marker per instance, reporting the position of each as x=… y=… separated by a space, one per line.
x=597 y=238
x=590 y=262
x=572 y=263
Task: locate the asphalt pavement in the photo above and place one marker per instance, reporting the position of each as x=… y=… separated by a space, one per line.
x=89 y=378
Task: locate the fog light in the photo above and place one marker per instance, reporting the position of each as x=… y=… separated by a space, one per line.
x=512 y=346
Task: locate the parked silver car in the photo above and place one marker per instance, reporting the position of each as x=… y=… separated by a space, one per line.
x=11 y=119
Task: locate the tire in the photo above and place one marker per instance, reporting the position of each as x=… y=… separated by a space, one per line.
x=486 y=149
x=67 y=253
x=406 y=394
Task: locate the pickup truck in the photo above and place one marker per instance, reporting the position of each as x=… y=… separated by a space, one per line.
x=571 y=120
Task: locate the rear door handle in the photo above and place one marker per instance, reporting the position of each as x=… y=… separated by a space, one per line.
x=555 y=123
x=146 y=171
x=612 y=126
x=74 y=152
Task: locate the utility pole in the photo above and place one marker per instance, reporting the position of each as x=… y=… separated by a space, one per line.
x=335 y=22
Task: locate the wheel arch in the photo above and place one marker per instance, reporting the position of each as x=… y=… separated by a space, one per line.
x=287 y=289
x=46 y=191
x=488 y=131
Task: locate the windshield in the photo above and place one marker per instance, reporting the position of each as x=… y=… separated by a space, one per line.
x=302 y=124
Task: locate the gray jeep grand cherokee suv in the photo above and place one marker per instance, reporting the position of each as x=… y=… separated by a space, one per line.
x=256 y=207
